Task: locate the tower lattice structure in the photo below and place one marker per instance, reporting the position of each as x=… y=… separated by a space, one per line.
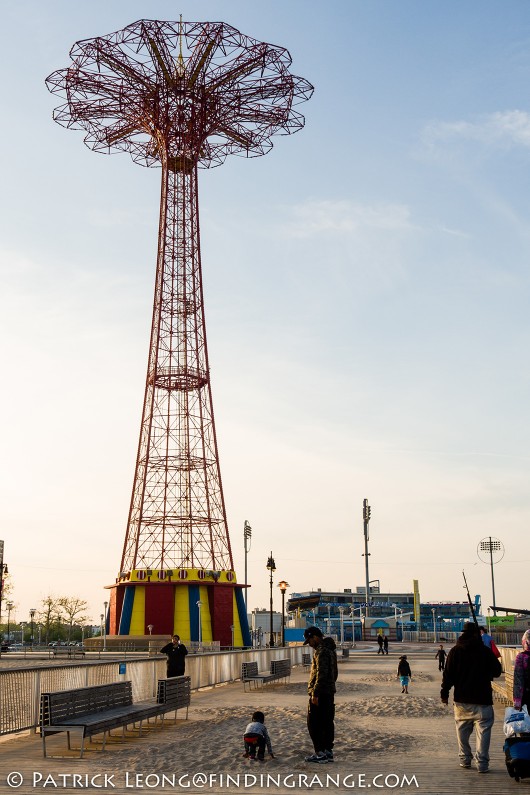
x=179 y=95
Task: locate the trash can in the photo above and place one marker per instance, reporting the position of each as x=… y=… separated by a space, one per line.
x=345 y=652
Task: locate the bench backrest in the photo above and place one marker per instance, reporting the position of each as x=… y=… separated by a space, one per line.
x=281 y=667
x=65 y=704
x=175 y=691
x=249 y=669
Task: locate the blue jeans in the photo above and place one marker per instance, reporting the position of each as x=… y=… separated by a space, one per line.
x=479 y=717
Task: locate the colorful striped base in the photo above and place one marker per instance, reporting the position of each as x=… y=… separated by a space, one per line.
x=170 y=607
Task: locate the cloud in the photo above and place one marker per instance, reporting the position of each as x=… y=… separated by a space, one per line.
x=345 y=217
x=503 y=129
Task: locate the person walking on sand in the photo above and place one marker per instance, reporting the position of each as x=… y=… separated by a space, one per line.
x=176 y=657
x=404 y=673
x=440 y=655
x=385 y=644
x=321 y=689
x=256 y=737
x=470 y=667
x=380 y=643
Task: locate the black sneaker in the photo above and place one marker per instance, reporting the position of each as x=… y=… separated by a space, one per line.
x=329 y=756
x=320 y=758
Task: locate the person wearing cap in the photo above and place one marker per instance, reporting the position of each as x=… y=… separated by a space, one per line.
x=469 y=668
x=321 y=689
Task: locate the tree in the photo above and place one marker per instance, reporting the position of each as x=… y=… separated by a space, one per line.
x=50 y=615
x=73 y=612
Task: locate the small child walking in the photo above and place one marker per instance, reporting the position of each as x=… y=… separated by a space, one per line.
x=256 y=737
x=404 y=673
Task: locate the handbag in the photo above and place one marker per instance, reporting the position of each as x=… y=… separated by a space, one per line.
x=516 y=721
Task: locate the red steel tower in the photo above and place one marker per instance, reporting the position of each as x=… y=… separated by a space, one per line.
x=180 y=95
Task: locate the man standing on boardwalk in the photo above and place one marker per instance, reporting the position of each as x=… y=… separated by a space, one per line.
x=176 y=657
x=469 y=668
x=321 y=689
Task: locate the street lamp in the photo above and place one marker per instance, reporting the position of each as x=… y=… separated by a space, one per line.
x=22 y=628
x=341 y=611
x=283 y=587
x=366 y=521
x=105 y=605
x=247 y=541
x=150 y=627
x=329 y=619
x=9 y=606
x=199 y=605
x=271 y=566
x=433 y=611
x=32 y=616
x=232 y=629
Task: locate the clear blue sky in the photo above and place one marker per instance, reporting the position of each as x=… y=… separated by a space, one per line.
x=367 y=290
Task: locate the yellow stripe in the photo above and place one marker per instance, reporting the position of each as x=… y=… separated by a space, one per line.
x=138 y=612
x=181 y=621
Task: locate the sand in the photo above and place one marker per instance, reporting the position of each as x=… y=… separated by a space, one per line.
x=384 y=740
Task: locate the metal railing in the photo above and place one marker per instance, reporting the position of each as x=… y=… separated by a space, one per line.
x=20 y=689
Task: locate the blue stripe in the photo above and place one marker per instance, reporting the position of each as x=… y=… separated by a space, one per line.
x=193 y=596
x=126 y=610
x=243 y=618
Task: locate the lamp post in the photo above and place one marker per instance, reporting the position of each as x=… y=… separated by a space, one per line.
x=150 y=628
x=433 y=611
x=232 y=629
x=329 y=619
x=486 y=548
x=22 y=628
x=9 y=606
x=101 y=617
x=105 y=605
x=341 y=611
x=199 y=605
x=32 y=616
x=247 y=541
x=283 y=587
x=271 y=566
x=366 y=521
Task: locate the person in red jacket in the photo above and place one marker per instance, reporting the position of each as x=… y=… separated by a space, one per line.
x=469 y=668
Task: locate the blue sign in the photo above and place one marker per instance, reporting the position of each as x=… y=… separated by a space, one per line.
x=122 y=668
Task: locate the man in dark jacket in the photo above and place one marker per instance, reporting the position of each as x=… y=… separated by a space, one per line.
x=321 y=689
x=176 y=656
x=469 y=668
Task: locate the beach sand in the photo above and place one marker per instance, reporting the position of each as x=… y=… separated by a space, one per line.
x=384 y=740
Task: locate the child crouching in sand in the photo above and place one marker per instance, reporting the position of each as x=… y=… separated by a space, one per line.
x=256 y=737
x=404 y=673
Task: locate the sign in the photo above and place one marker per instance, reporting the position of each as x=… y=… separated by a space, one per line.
x=122 y=668
x=495 y=621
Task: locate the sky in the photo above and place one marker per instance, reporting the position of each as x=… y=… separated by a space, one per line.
x=366 y=283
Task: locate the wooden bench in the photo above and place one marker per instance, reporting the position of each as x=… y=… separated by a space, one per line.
x=99 y=709
x=174 y=693
x=69 y=651
x=280 y=669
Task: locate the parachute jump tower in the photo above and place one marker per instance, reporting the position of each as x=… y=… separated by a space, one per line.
x=183 y=96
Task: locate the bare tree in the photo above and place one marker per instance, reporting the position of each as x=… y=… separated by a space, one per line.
x=49 y=616
x=74 y=611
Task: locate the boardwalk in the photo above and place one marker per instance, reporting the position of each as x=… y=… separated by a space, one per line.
x=385 y=740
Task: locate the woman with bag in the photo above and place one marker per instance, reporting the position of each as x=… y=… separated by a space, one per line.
x=521 y=674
